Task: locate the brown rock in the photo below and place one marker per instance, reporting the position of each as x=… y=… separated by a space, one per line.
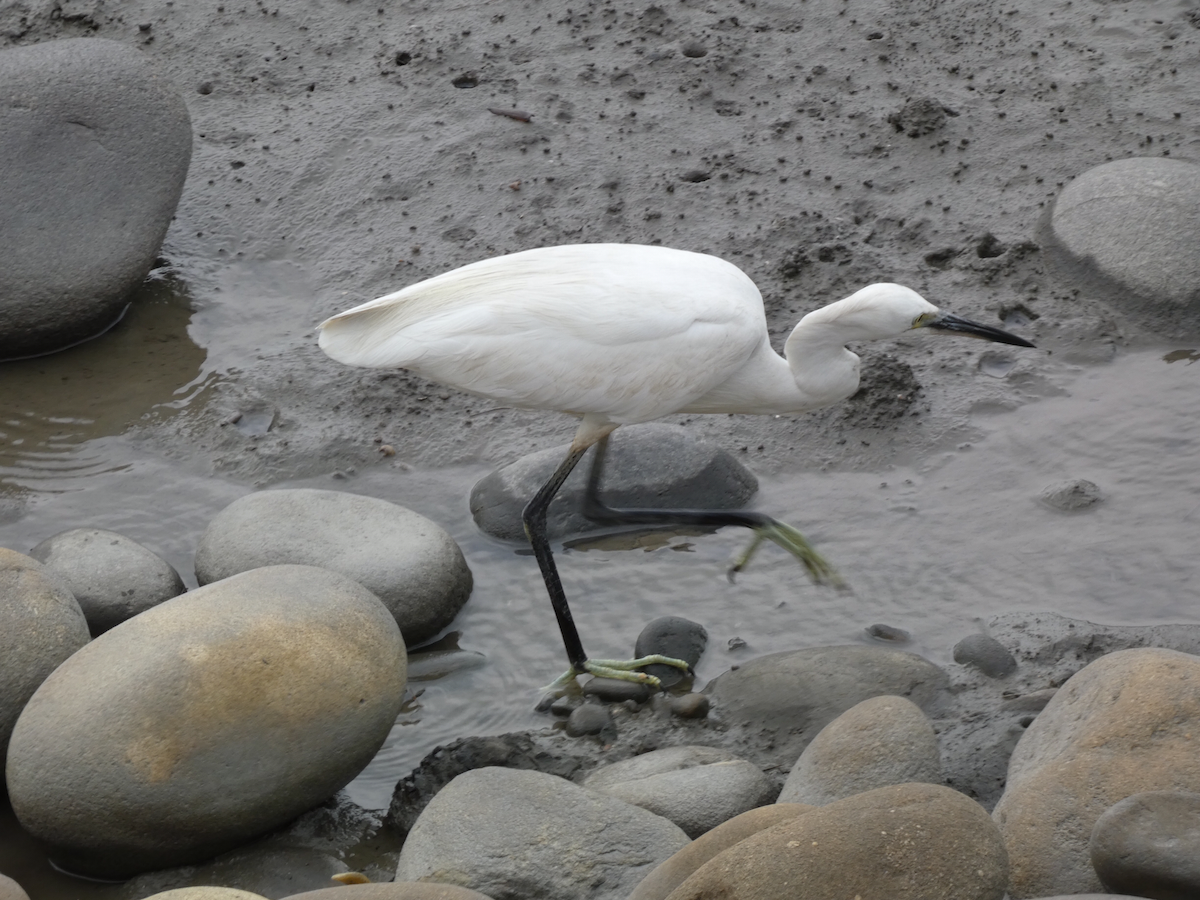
x=1127 y=723
x=906 y=842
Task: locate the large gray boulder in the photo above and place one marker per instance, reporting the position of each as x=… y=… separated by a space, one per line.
x=206 y=721
x=113 y=577
x=520 y=835
x=1128 y=230
x=407 y=561
x=40 y=626
x=96 y=147
x=1123 y=725
x=652 y=465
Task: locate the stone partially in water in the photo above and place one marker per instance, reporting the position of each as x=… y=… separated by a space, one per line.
x=40 y=626
x=407 y=561
x=96 y=146
x=207 y=720
x=113 y=577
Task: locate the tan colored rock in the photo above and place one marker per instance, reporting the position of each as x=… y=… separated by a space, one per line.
x=205 y=892
x=10 y=890
x=41 y=624
x=1127 y=723
x=674 y=871
x=906 y=842
x=394 y=890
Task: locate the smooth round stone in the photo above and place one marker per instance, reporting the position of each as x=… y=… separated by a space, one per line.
x=206 y=720
x=906 y=842
x=690 y=706
x=879 y=742
x=40 y=626
x=407 y=561
x=647 y=465
x=96 y=146
x=986 y=654
x=1128 y=230
x=113 y=577
x=1149 y=845
x=393 y=890
x=1124 y=724
x=10 y=890
x=205 y=892
x=675 y=870
x=589 y=718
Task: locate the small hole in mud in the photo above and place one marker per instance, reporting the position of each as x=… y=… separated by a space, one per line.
x=466 y=80
x=995 y=364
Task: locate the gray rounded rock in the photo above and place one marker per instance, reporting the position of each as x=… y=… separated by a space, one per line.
x=697 y=788
x=393 y=890
x=1129 y=231
x=511 y=833
x=113 y=577
x=1148 y=845
x=647 y=465
x=206 y=721
x=879 y=742
x=986 y=654
x=40 y=626
x=407 y=561
x=96 y=147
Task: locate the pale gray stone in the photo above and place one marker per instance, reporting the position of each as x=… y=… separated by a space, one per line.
x=407 y=561
x=1149 y=845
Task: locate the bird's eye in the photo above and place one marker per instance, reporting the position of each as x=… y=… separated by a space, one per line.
x=923 y=319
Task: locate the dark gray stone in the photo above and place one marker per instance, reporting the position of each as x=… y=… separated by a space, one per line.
x=113 y=577
x=1127 y=231
x=96 y=146
x=653 y=465
x=590 y=718
x=1148 y=845
x=206 y=720
x=407 y=561
x=986 y=654
x=672 y=636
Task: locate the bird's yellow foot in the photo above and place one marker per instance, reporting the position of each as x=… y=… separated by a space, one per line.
x=620 y=669
x=796 y=544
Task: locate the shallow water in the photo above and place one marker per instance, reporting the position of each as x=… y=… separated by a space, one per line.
x=934 y=546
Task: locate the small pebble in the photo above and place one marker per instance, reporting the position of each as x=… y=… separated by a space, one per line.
x=888 y=633
x=590 y=718
x=690 y=706
x=986 y=654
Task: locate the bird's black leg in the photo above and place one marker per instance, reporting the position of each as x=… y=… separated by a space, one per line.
x=762 y=525
x=534 y=519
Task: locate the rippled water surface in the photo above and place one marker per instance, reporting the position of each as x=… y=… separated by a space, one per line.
x=934 y=546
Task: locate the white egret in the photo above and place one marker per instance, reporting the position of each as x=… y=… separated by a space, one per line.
x=618 y=334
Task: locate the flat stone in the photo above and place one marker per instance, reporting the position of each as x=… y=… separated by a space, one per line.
x=113 y=577
x=1123 y=725
x=515 y=835
x=206 y=720
x=652 y=465
x=1127 y=231
x=407 y=561
x=1149 y=845
x=879 y=742
x=96 y=146
x=40 y=626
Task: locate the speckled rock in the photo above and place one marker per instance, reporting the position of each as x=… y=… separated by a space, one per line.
x=796 y=693
x=697 y=788
x=407 y=561
x=394 y=890
x=514 y=835
x=206 y=720
x=674 y=871
x=938 y=845
x=40 y=626
x=879 y=742
x=205 y=892
x=113 y=577
x=1124 y=724
x=96 y=147
x=1149 y=845
x=647 y=465
x=1127 y=231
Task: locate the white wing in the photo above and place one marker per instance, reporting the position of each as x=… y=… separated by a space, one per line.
x=629 y=331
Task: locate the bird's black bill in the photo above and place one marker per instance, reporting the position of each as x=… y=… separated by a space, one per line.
x=948 y=324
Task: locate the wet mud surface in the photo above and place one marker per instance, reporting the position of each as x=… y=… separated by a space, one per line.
x=346 y=149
